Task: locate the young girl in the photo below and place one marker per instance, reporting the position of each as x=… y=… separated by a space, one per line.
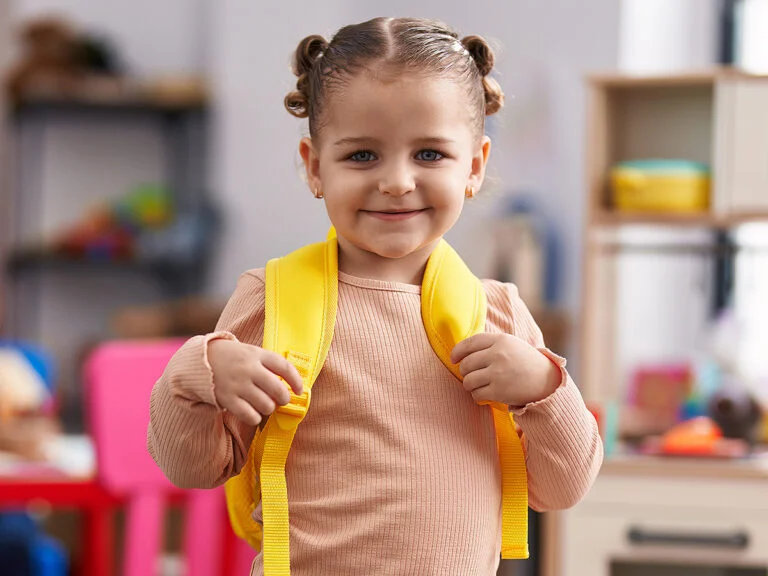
x=395 y=469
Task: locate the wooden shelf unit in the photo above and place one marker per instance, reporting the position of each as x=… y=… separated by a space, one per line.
x=717 y=117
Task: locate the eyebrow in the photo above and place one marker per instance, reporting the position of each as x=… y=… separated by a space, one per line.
x=355 y=141
x=366 y=140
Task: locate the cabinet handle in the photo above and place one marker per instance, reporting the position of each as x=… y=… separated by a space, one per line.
x=732 y=541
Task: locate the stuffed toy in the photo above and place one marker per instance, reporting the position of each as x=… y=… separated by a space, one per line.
x=58 y=61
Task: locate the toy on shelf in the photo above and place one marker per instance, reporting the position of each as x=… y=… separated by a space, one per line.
x=660 y=186
x=737 y=413
x=656 y=396
x=109 y=231
x=697 y=437
x=705 y=406
x=57 y=61
x=142 y=228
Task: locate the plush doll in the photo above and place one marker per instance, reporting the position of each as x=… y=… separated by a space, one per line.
x=58 y=61
x=47 y=65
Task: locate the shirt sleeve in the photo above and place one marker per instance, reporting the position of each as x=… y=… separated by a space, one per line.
x=563 y=448
x=195 y=443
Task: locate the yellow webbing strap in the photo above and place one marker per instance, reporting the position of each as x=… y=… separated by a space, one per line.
x=453 y=307
x=300 y=313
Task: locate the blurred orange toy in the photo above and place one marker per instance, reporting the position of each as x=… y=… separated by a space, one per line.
x=700 y=437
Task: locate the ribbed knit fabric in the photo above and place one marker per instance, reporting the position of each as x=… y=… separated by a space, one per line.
x=394 y=470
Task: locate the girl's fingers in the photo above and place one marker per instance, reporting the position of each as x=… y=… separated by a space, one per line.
x=472 y=344
x=482 y=395
x=477 y=379
x=244 y=412
x=259 y=399
x=283 y=368
x=271 y=385
x=475 y=361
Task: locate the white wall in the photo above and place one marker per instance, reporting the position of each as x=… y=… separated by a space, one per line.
x=269 y=210
x=751 y=46
x=166 y=37
x=6 y=222
x=668 y=36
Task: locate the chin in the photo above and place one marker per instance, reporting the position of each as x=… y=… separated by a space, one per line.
x=395 y=250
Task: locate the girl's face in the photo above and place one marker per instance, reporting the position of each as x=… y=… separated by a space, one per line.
x=394 y=160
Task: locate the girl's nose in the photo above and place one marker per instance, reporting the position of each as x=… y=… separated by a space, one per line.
x=397 y=182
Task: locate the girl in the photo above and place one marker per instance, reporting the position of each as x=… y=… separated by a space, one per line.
x=394 y=469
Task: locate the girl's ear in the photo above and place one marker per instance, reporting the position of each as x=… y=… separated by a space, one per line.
x=311 y=165
x=479 y=162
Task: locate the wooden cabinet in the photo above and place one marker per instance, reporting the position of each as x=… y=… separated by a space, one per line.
x=740 y=149
x=664 y=517
x=647 y=516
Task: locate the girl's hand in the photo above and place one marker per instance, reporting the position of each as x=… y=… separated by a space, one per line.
x=247 y=379
x=503 y=368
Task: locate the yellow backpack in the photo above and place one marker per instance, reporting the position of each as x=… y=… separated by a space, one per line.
x=300 y=314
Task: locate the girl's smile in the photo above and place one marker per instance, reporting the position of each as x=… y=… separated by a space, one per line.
x=394 y=215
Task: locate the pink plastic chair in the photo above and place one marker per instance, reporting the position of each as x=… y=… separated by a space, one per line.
x=120 y=376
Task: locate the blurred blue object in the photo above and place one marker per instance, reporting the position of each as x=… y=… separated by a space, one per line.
x=26 y=551
x=525 y=203
x=38 y=357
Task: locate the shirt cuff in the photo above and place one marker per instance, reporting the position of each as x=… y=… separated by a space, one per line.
x=220 y=335
x=560 y=363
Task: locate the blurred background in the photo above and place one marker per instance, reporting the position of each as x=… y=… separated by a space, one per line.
x=146 y=160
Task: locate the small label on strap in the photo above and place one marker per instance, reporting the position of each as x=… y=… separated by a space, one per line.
x=302 y=362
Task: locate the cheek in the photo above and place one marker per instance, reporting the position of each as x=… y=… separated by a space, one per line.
x=342 y=206
x=447 y=191
x=337 y=178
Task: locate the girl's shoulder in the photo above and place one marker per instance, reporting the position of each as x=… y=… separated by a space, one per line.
x=506 y=310
x=257 y=275
x=250 y=285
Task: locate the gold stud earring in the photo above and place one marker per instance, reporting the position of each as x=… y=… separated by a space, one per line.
x=470 y=192
x=318 y=194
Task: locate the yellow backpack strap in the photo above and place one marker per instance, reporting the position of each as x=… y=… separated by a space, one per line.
x=453 y=307
x=300 y=313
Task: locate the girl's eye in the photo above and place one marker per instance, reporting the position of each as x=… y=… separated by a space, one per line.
x=429 y=156
x=363 y=156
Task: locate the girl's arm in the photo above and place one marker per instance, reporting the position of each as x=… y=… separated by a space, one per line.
x=195 y=443
x=564 y=451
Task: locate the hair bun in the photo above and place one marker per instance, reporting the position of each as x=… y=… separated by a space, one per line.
x=307 y=53
x=305 y=57
x=480 y=52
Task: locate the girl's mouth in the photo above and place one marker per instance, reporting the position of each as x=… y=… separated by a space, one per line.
x=395 y=215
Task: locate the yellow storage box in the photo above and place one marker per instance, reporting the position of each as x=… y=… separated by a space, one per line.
x=660 y=186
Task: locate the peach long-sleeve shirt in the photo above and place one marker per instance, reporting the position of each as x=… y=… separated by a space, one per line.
x=394 y=470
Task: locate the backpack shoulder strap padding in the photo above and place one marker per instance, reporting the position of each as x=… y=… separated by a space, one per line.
x=300 y=314
x=454 y=307
x=301 y=295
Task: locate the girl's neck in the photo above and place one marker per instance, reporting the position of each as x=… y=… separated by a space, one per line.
x=362 y=264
